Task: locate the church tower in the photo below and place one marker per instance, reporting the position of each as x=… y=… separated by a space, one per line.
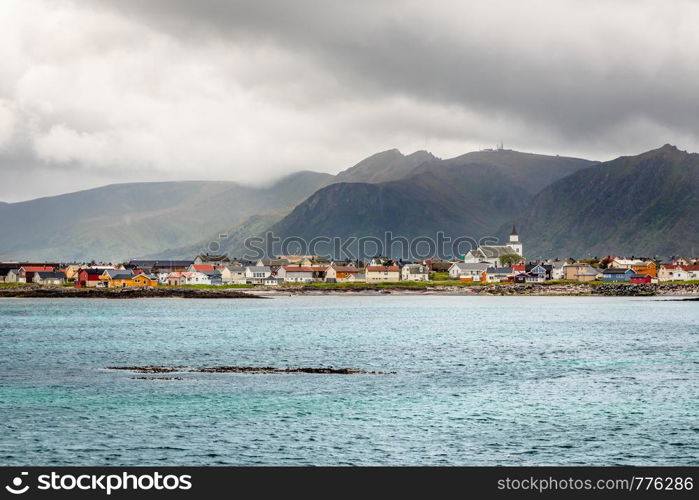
x=514 y=241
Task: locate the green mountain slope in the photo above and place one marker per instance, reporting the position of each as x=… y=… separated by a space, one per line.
x=635 y=205
x=128 y=220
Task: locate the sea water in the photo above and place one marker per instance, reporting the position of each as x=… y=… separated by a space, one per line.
x=478 y=381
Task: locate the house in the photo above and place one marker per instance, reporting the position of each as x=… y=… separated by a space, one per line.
x=617 y=274
x=88 y=278
x=557 y=271
x=12 y=276
x=375 y=274
x=3 y=274
x=116 y=278
x=49 y=278
x=71 y=271
x=214 y=277
x=301 y=274
x=26 y=273
x=543 y=271
x=468 y=272
x=526 y=277
x=199 y=268
x=175 y=279
x=213 y=259
x=256 y=274
x=196 y=278
x=677 y=272
x=359 y=277
x=274 y=264
x=640 y=278
x=336 y=273
x=233 y=275
x=438 y=266
x=638 y=266
x=498 y=274
x=579 y=271
x=414 y=272
x=272 y=281
x=492 y=254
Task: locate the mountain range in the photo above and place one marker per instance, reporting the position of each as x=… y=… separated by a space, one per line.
x=642 y=205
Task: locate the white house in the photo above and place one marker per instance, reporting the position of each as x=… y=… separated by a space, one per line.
x=492 y=253
x=49 y=278
x=467 y=272
x=375 y=274
x=339 y=274
x=257 y=274
x=414 y=272
x=498 y=274
x=557 y=271
x=195 y=278
x=356 y=278
x=673 y=272
x=233 y=275
x=302 y=274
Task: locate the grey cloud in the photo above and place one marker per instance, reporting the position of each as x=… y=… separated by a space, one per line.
x=597 y=76
x=248 y=91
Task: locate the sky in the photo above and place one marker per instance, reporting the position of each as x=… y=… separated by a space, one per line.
x=94 y=92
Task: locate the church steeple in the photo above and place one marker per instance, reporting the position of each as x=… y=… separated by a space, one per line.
x=514 y=241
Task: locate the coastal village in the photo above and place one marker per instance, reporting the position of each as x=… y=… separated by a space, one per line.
x=483 y=265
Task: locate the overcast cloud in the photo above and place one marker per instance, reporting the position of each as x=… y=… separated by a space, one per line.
x=95 y=92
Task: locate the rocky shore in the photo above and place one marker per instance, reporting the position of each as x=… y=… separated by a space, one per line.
x=534 y=289
x=125 y=293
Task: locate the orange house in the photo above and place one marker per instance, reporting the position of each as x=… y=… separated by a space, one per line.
x=647 y=267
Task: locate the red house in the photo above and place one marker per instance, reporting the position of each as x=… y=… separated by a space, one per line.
x=640 y=278
x=26 y=273
x=88 y=278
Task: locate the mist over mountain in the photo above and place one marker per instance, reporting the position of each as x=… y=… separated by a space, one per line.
x=128 y=220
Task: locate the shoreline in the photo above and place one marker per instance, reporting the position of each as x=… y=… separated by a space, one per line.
x=495 y=289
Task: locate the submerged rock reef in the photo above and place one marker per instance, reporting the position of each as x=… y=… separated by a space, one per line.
x=157 y=369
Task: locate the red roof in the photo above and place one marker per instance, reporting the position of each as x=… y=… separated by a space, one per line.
x=203 y=267
x=379 y=269
x=33 y=269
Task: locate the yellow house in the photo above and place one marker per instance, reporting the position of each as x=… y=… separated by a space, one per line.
x=122 y=279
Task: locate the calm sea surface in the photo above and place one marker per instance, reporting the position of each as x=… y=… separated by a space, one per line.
x=480 y=381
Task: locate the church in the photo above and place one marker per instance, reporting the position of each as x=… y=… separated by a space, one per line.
x=491 y=254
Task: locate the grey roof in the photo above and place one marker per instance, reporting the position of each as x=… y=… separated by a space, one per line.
x=481 y=266
x=490 y=252
x=160 y=263
x=118 y=273
x=499 y=270
x=50 y=274
x=259 y=269
x=210 y=257
x=616 y=271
